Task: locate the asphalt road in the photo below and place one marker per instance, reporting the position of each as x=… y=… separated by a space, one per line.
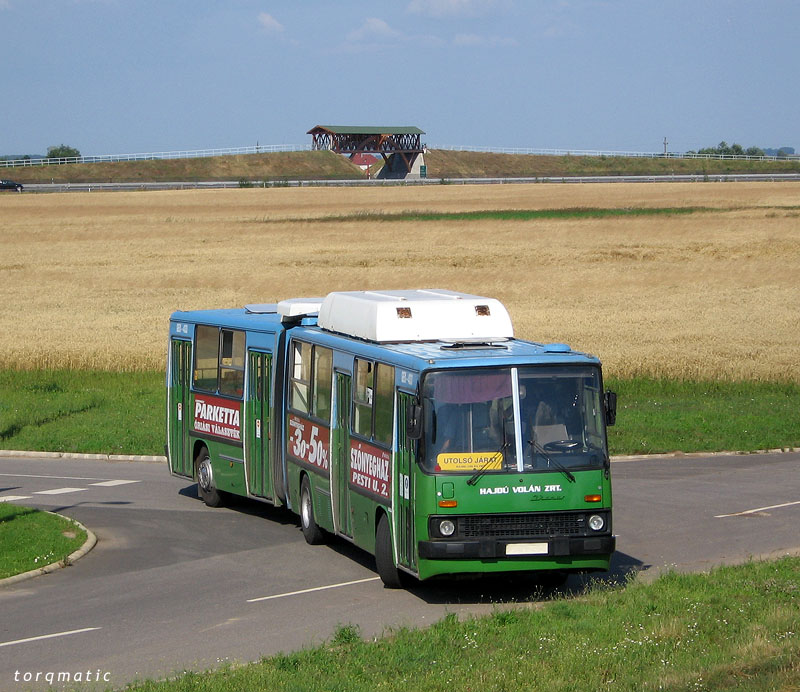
x=173 y=585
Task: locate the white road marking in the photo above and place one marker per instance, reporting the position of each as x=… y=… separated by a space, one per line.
x=48 y=636
x=14 y=498
x=58 y=491
x=316 y=588
x=754 y=511
x=60 y=478
x=111 y=484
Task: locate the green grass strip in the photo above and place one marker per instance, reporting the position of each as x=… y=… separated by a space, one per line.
x=124 y=413
x=503 y=214
x=83 y=411
x=658 y=416
x=30 y=539
x=737 y=628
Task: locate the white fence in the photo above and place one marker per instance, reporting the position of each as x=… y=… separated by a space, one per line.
x=272 y=148
x=611 y=154
x=158 y=155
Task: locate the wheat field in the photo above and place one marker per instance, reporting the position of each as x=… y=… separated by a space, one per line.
x=89 y=279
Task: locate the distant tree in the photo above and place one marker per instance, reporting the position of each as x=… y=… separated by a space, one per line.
x=721 y=149
x=725 y=149
x=781 y=153
x=62 y=151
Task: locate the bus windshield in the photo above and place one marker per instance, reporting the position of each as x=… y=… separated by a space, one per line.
x=532 y=418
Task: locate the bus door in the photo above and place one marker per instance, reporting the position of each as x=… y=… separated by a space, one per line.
x=340 y=471
x=258 y=420
x=179 y=414
x=404 y=487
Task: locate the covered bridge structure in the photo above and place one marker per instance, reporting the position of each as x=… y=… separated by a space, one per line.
x=400 y=147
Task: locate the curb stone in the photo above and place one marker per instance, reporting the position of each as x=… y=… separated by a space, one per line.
x=694 y=455
x=26 y=454
x=89 y=543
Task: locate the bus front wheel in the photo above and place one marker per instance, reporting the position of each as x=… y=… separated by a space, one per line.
x=384 y=556
x=205 y=480
x=311 y=532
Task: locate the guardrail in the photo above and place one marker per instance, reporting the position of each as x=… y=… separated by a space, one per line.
x=182 y=185
x=274 y=148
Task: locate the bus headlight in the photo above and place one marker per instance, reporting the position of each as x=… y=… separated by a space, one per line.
x=447 y=527
x=596 y=522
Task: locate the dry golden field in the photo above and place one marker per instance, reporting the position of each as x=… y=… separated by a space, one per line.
x=89 y=279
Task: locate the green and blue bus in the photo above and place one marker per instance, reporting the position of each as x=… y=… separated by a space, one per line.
x=409 y=422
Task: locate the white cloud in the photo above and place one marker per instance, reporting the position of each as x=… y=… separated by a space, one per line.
x=451 y=8
x=376 y=35
x=373 y=29
x=269 y=23
x=468 y=40
x=473 y=40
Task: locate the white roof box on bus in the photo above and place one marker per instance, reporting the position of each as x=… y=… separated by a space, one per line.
x=415 y=315
x=296 y=307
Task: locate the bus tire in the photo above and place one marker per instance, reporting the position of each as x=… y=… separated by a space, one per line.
x=384 y=556
x=205 y=479
x=311 y=531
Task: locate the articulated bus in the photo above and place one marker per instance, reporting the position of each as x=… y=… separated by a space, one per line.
x=410 y=423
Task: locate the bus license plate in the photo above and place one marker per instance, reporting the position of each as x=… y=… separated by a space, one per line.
x=526 y=549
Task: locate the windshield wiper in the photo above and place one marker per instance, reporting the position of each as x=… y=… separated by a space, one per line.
x=483 y=469
x=541 y=450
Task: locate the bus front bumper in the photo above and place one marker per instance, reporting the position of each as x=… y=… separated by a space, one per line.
x=492 y=549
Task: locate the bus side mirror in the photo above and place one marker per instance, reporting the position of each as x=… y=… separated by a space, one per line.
x=611 y=407
x=414 y=422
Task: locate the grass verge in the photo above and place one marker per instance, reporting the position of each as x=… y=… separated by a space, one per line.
x=31 y=539
x=123 y=413
x=657 y=416
x=733 y=629
x=314 y=165
x=82 y=411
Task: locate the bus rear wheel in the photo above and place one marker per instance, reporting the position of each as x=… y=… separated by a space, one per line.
x=384 y=556
x=205 y=480
x=311 y=531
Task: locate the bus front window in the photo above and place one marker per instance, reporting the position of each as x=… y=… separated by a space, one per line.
x=471 y=422
x=561 y=411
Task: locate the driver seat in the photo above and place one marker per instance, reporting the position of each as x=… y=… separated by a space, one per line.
x=551 y=433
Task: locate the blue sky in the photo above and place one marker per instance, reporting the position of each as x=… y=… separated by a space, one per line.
x=127 y=76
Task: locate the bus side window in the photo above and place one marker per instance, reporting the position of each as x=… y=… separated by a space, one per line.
x=362 y=398
x=384 y=404
x=206 y=358
x=231 y=363
x=373 y=401
x=311 y=382
x=323 y=374
x=301 y=377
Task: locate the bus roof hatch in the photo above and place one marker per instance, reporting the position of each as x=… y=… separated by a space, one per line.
x=415 y=315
